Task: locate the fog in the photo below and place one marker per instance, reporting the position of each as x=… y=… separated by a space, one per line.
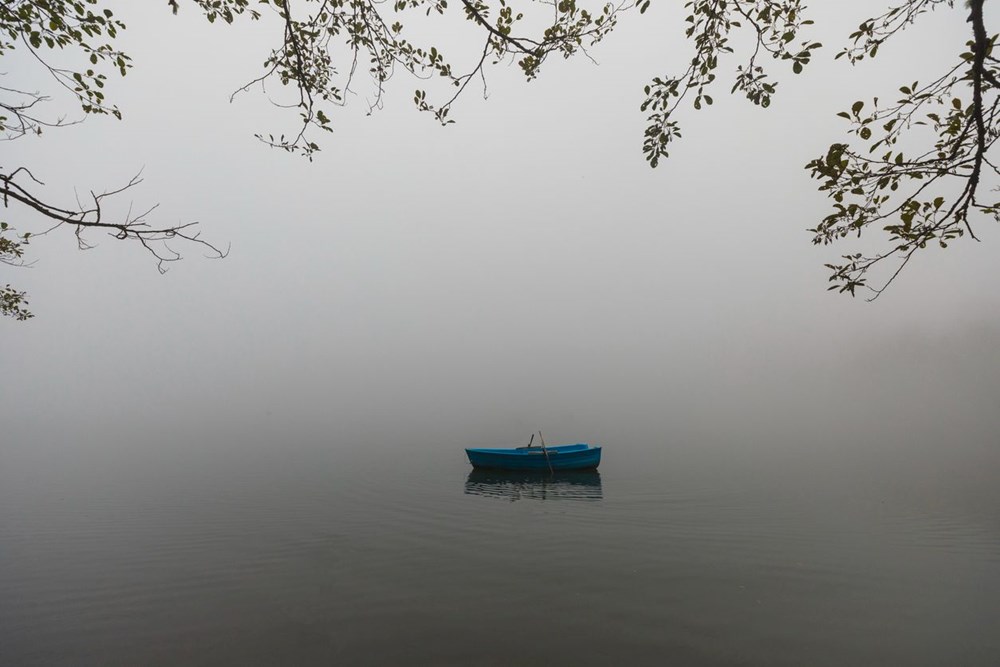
x=465 y=285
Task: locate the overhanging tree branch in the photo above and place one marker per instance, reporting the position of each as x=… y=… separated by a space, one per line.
x=924 y=199
x=887 y=177
x=133 y=227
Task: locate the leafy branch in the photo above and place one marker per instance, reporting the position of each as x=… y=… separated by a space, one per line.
x=13 y=302
x=775 y=25
x=918 y=199
x=45 y=29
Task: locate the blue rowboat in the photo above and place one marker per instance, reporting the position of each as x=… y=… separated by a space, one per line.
x=561 y=457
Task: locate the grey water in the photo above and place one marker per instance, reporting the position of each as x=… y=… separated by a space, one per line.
x=304 y=552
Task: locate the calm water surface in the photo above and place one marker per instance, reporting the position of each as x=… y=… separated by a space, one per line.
x=314 y=554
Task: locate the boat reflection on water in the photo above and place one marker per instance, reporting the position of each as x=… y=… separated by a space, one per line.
x=509 y=485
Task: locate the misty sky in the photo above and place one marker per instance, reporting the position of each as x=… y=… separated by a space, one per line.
x=520 y=269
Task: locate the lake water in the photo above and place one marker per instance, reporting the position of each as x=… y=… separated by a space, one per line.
x=396 y=554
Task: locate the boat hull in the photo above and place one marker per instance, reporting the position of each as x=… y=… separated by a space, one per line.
x=562 y=457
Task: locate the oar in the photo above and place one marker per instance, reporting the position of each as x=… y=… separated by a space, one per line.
x=546 y=452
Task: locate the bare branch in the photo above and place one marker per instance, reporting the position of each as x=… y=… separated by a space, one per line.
x=91 y=216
